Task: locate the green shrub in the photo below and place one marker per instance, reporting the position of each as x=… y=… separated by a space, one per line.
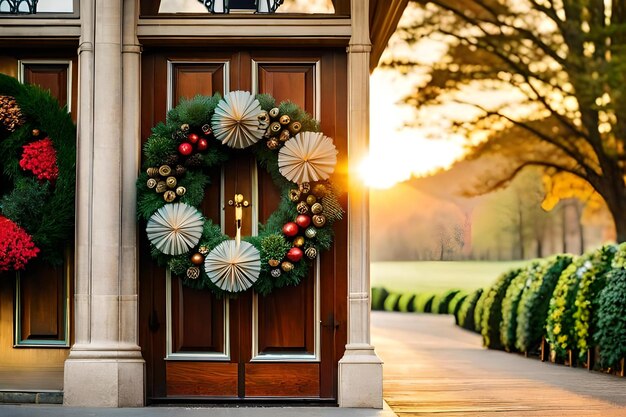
x=560 y=331
x=478 y=311
x=519 y=284
x=610 y=334
x=391 y=302
x=441 y=302
x=492 y=309
x=423 y=303
x=587 y=300
x=379 y=294
x=405 y=303
x=455 y=305
x=465 y=315
x=532 y=310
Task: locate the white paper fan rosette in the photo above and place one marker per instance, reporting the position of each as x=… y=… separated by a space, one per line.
x=175 y=228
x=233 y=267
x=309 y=156
x=235 y=121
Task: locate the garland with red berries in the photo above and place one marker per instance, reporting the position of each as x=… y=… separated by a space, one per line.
x=37 y=187
x=199 y=135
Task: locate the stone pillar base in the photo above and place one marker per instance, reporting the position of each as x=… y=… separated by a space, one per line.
x=360 y=377
x=104 y=379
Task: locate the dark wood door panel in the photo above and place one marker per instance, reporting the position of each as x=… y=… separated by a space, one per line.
x=191 y=79
x=52 y=77
x=300 y=380
x=202 y=379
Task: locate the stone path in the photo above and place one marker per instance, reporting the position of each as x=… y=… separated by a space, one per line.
x=433 y=368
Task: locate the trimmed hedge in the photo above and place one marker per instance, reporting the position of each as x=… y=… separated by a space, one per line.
x=492 y=309
x=478 y=312
x=379 y=294
x=508 y=324
x=423 y=303
x=391 y=302
x=532 y=310
x=405 y=303
x=455 y=305
x=465 y=314
x=610 y=332
x=442 y=301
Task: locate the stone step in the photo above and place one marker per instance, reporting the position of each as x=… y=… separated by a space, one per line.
x=31 y=397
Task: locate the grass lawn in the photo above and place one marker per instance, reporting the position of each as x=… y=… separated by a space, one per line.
x=437 y=276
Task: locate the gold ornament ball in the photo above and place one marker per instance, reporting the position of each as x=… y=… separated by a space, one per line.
x=304 y=188
x=317 y=208
x=275 y=127
x=311 y=199
x=184 y=127
x=286 y=266
x=171 y=182
x=319 y=190
x=284 y=135
x=193 y=272
x=204 y=251
x=152 y=172
x=273 y=144
x=302 y=207
x=161 y=187
x=274 y=112
x=263 y=117
x=274 y=263
x=294 y=195
x=36 y=132
x=197 y=259
x=284 y=119
x=151 y=183
x=165 y=170
x=180 y=191
x=319 y=220
x=275 y=273
x=310 y=232
x=295 y=127
x=169 y=196
x=311 y=253
x=298 y=242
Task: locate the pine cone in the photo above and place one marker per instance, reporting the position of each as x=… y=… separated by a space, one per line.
x=194 y=161
x=11 y=116
x=332 y=209
x=171 y=160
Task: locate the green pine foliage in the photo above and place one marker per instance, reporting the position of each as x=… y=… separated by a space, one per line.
x=379 y=294
x=532 y=310
x=53 y=228
x=587 y=299
x=423 y=302
x=610 y=328
x=508 y=325
x=391 y=302
x=465 y=314
x=492 y=309
x=405 y=303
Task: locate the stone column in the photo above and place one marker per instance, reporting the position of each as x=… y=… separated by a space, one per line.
x=105 y=367
x=360 y=369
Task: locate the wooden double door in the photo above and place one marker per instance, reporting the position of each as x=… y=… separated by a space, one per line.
x=250 y=347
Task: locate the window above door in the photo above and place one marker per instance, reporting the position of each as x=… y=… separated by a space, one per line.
x=39 y=8
x=258 y=7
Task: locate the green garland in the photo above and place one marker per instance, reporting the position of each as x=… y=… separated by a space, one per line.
x=44 y=209
x=194 y=116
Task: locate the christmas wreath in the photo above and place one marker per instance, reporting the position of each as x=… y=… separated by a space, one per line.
x=37 y=188
x=200 y=134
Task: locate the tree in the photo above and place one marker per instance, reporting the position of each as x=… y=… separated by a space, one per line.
x=563 y=64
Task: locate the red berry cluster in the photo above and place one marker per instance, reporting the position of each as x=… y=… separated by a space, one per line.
x=16 y=246
x=40 y=158
x=191 y=140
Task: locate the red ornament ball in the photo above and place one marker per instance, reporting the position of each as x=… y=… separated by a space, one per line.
x=290 y=229
x=185 y=148
x=202 y=144
x=193 y=138
x=303 y=220
x=294 y=254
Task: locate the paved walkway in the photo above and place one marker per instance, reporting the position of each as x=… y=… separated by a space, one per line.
x=433 y=368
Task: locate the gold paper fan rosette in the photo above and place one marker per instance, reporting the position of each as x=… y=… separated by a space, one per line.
x=308 y=157
x=175 y=228
x=233 y=266
x=236 y=120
